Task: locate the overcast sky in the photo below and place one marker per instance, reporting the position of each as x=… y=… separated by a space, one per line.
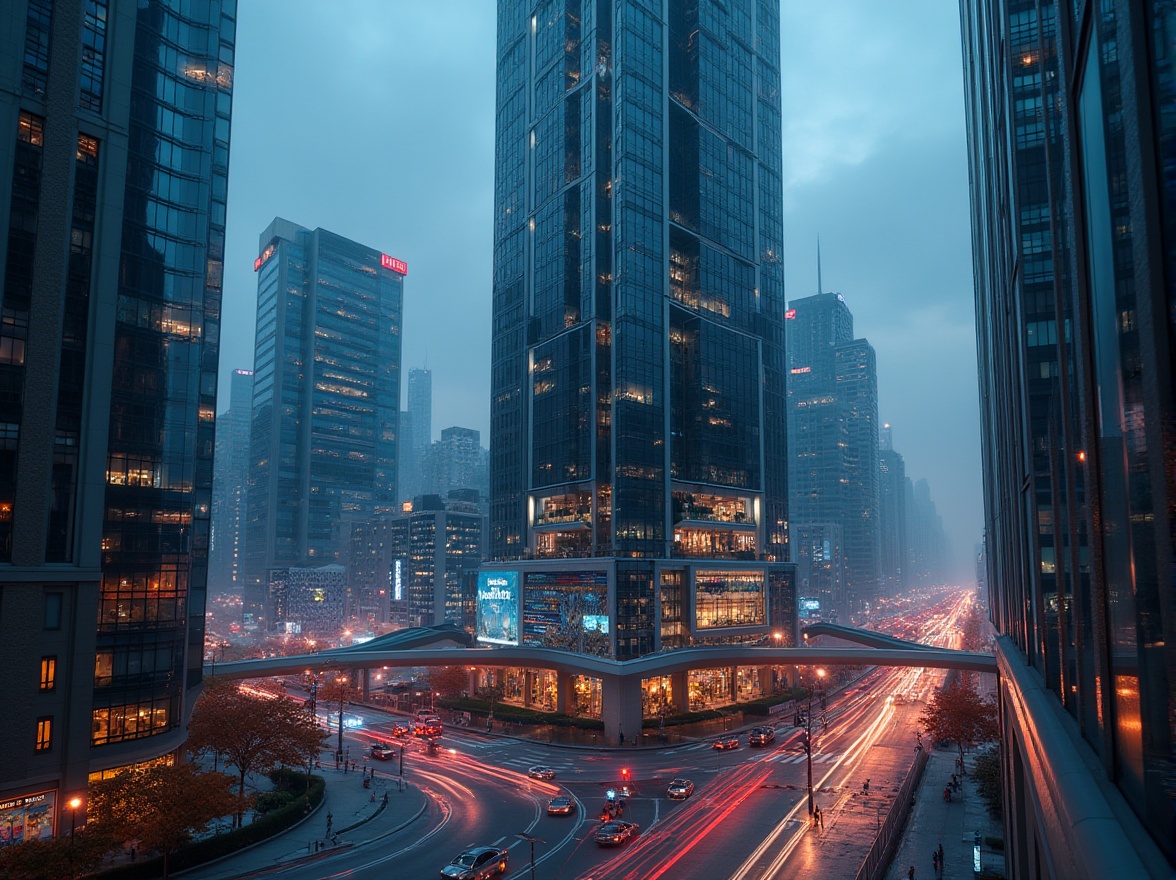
x=375 y=119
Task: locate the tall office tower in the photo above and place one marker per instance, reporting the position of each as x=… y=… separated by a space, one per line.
x=423 y=558
x=231 y=474
x=1071 y=136
x=637 y=412
x=419 y=436
x=833 y=436
x=456 y=461
x=112 y=216
x=406 y=470
x=927 y=551
x=326 y=399
x=892 y=521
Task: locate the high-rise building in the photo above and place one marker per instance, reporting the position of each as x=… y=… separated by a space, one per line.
x=326 y=399
x=114 y=145
x=308 y=600
x=892 y=520
x=833 y=436
x=637 y=414
x=423 y=559
x=231 y=475
x=417 y=433
x=456 y=461
x=1070 y=139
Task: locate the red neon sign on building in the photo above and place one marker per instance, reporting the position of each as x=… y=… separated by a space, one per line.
x=398 y=266
x=790 y=314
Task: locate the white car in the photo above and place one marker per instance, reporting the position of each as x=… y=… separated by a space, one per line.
x=540 y=772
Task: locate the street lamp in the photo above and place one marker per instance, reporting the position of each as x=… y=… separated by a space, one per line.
x=342 y=682
x=74 y=803
x=808 y=739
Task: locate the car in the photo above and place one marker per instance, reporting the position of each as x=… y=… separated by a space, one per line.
x=762 y=736
x=730 y=742
x=541 y=772
x=615 y=833
x=561 y=805
x=400 y=731
x=383 y=751
x=427 y=728
x=479 y=863
x=680 y=789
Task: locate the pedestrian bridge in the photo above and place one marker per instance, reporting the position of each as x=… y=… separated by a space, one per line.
x=620 y=679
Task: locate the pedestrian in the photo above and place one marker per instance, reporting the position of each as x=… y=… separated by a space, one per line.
x=385 y=799
x=911 y=873
x=935 y=860
x=940 y=852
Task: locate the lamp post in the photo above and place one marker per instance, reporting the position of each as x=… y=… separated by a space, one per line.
x=808 y=739
x=342 y=682
x=73 y=804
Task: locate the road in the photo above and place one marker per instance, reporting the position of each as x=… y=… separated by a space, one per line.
x=744 y=821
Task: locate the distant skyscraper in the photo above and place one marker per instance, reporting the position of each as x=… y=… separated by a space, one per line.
x=423 y=559
x=1071 y=144
x=231 y=475
x=418 y=435
x=892 y=519
x=456 y=461
x=326 y=399
x=637 y=413
x=833 y=435
x=114 y=152
x=308 y=600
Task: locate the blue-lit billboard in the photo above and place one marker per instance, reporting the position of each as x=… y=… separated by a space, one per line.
x=498 y=607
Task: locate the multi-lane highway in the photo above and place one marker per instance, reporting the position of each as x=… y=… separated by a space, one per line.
x=744 y=820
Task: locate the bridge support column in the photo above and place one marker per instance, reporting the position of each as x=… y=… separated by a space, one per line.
x=733 y=679
x=621 y=696
x=766 y=682
x=680 y=691
x=365 y=684
x=528 y=687
x=563 y=690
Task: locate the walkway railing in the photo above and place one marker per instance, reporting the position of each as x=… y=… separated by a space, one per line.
x=882 y=852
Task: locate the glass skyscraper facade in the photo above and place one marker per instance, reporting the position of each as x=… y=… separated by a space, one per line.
x=326 y=399
x=114 y=148
x=637 y=408
x=1072 y=142
x=833 y=445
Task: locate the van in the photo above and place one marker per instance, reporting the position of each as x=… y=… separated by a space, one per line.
x=424 y=715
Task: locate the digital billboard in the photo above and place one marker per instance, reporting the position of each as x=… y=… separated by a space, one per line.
x=27 y=818
x=498 y=607
x=567 y=610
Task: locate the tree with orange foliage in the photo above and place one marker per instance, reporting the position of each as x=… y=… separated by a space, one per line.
x=252 y=733
x=958 y=714
x=450 y=681
x=160 y=806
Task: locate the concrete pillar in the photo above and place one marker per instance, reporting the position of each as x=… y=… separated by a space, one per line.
x=680 y=691
x=365 y=684
x=621 y=698
x=528 y=687
x=563 y=690
x=733 y=681
x=472 y=688
x=765 y=680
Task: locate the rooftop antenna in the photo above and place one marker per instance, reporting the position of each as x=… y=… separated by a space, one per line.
x=820 y=287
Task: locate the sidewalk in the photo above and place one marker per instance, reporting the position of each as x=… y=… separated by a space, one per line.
x=852 y=817
x=358 y=816
x=934 y=821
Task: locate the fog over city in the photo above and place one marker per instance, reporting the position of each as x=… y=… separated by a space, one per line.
x=375 y=120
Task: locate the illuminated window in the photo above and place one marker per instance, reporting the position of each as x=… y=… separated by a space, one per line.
x=48 y=673
x=44 y=734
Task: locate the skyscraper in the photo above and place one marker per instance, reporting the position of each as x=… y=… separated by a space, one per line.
x=892 y=520
x=833 y=436
x=456 y=461
x=114 y=144
x=637 y=413
x=226 y=548
x=326 y=399
x=1071 y=135
x=418 y=433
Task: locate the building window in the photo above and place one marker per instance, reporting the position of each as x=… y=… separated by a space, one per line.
x=48 y=673
x=54 y=602
x=44 y=734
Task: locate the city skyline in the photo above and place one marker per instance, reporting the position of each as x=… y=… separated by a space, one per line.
x=857 y=160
